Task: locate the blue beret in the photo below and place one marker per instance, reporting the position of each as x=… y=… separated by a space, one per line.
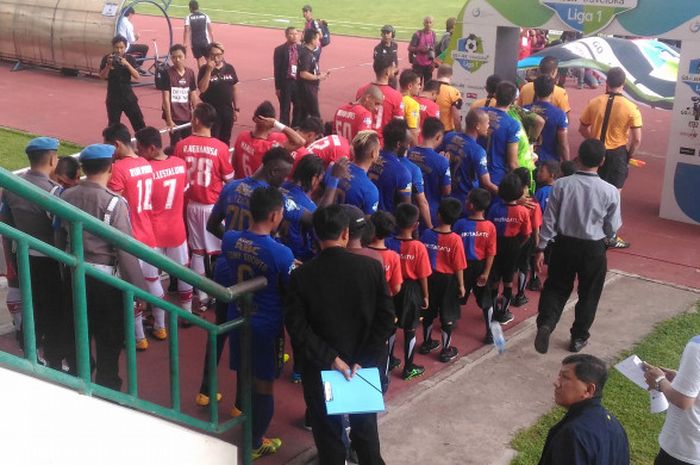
x=40 y=144
x=97 y=152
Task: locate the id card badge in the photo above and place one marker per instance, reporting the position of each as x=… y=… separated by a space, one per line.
x=294 y=71
x=179 y=94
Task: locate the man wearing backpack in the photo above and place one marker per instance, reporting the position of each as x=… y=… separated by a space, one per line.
x=421 y=50
x=319 y=26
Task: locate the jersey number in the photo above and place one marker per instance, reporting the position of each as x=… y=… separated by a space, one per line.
x=199 y=171
x=144 y=188
x=171 y=184
x=344 y=129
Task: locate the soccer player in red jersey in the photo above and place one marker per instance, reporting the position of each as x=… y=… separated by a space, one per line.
x=208 y=169
x=392 y=105
x=479 y=238
x=250 y=146
x=513 y=229
x=330 y=148
x=415 y=269
x=426 y=100
x=167 y=216
x=446 y=284
x=352 y=118
x=132 y=178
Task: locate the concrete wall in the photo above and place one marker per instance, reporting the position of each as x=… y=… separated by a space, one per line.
x=46 y=424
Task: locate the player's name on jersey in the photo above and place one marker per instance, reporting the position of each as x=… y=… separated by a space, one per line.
x=506 y=219
x=475 y=234
x=203 y=149
x=438 y=247
x=346 y=114
x=407 y=256
x=140 y=170
x=167 y=172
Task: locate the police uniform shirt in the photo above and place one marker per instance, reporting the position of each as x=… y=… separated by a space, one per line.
x=391 y=50
x=95 y=200
x=26 y=215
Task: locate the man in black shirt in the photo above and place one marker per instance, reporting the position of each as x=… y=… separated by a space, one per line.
x=198 y=27
x=388 y=47
x=309 y=76
x=285 y=62
x=339 y=316
x=119 y=70
x=217 y=83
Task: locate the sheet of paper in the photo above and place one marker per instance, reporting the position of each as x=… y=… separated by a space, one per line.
x=632 y=369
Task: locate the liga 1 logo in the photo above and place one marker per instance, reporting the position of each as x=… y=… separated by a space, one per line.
x=470 y=53
x=589 y=16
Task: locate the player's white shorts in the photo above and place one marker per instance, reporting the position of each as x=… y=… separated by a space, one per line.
x=179 y=254
x=201 y=241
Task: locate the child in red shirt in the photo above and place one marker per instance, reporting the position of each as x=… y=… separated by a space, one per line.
x=525 y=261
x=415 y=269
x=446 y=284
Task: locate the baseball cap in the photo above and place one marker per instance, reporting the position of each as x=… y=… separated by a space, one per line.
x=358 y=222
x=97 y=152
x=39 y=144
x=387 y=28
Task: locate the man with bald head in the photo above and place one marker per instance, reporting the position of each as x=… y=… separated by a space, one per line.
x=422 y=49
x=354 y=117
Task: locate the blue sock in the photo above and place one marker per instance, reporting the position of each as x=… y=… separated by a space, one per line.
x=263 y=408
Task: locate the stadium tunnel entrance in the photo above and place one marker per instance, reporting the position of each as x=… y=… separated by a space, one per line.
x=486 y=42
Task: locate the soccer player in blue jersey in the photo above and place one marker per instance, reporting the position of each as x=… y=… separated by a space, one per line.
x=554 y=143
x=392 y=179
x=437 y=180
x=502 y=143
x=250 y=254
x=468 y=162
x=356 y=188
x=418 y=190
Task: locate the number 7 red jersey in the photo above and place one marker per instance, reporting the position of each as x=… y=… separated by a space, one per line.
x=168 y=215
x=208 y=167
x=350 y=119
x=132 y=178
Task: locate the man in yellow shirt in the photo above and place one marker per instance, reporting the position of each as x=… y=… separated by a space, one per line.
x=549 y=66
x=449 y=99
x=410 y=84
x=617 y=122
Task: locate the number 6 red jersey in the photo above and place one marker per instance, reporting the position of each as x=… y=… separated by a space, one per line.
x=208 y=167
x=169 y=186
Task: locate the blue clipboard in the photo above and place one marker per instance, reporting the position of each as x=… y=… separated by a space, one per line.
x=362 y=394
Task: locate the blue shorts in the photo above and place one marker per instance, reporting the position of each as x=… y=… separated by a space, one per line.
x=264 y=350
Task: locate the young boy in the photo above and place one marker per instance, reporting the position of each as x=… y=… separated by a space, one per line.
x=415 y=269
x=479 y=238
x=446 y=284
x=513 y=229
x=547 y=172
x=527 y=254
x=410 y=85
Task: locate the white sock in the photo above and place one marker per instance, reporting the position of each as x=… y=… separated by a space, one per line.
x=197 y=265
x=138 y=326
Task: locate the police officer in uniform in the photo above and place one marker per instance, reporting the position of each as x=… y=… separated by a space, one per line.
x=28 y=217
x=104 y=303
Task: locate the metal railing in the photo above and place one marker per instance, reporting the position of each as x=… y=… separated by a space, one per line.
x=79 y=222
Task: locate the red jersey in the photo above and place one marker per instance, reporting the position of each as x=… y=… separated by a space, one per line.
x=248 y=151
x=132 y=178
x=391 y=107
x=208 y=167
x=169 y=185
x=510 y=220
x=415 y=263
x=445 y=250
x=392 y=268
x=536 y=216
x=330 y=148
x=298 y=154
x=350 y=119
x=478 y=238
x=428 y=108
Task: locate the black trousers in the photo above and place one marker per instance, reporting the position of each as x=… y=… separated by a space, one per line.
x=308 y=101
x=130 y=107
x=176 y=136
x=221 y=309
x=664 y=459
x=424 y=72
x=223 y=126
x=289 y=102
x=572 y=258
x=49 y=311
x=138 y=51
x=328 y=429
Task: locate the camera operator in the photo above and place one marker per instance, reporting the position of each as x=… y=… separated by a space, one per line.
x=421 y=50
x=119 y=70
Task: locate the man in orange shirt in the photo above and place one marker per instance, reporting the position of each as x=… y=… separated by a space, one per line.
x=549 y=66
x=449 y=99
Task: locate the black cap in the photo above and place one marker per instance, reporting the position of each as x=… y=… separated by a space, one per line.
x=358 y=222
x=387 y=28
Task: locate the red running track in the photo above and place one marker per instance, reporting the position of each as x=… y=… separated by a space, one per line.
x=73 y=109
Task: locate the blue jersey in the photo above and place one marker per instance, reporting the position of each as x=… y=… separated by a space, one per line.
x=416 y=176
x=504 y=130
x=234 y=203
x=293 y=233
x=392 y=180
x=554 y=121
x=468 y=163
x=251 y=255
x=358 y=190
x=542 y=196
x=436 y=175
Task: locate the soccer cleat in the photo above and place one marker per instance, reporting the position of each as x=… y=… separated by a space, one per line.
x=535 y=284
x=616 y=243
x=448 y=354
x=268 y=447
x=542 y=339
x=160 y=333
x=428 y=346
x=505 y=317
x=236 y=412
x=519 y=300
x=394 y=363
x=413 y=371
x=142 y=344
x=296 y=377
x=203 y=400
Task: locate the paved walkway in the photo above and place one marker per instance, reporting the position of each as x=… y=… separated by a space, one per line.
x=469 y=413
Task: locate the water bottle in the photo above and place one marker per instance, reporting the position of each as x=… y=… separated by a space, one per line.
x=499 y=340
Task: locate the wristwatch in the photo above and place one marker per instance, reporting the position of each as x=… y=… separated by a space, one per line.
x=657 y=382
